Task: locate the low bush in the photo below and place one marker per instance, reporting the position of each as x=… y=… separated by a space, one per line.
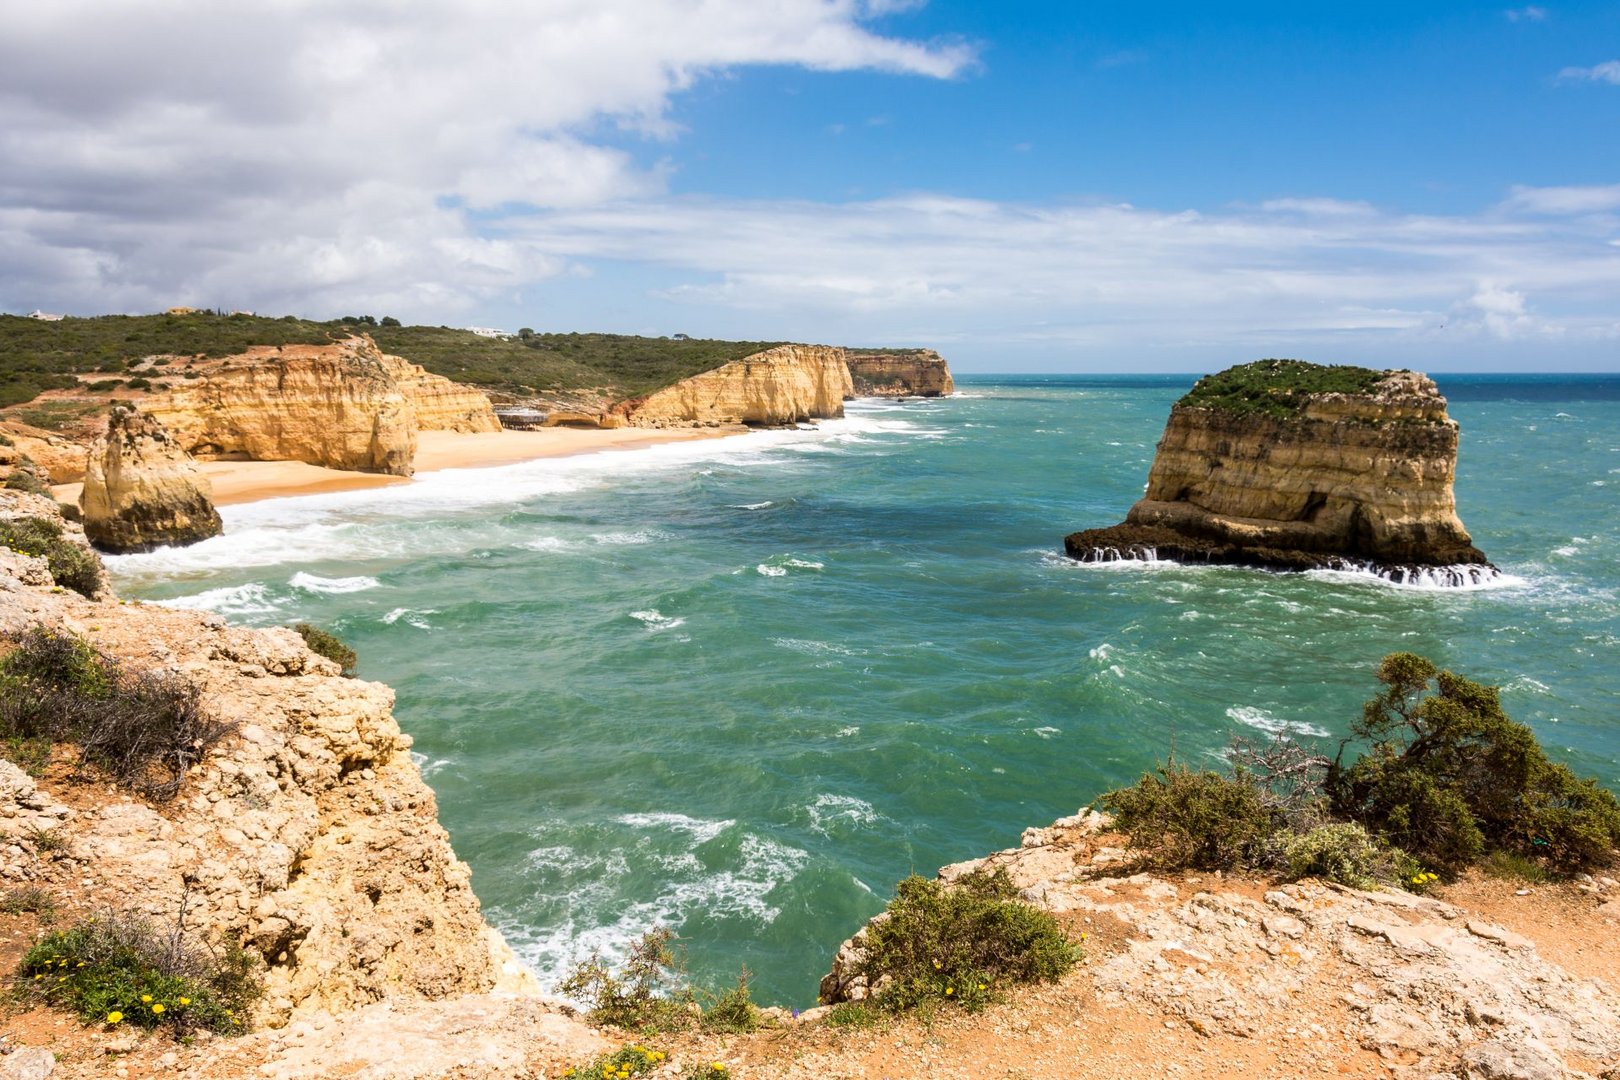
x=1345 y=852
x=120 y=969
x=646 y=994
x=732 y=1011
x=25 y=477
x=634 y=1060
x=143 y=728
x=1204 y=820
x=328 y=645
x=28 y=899
x=71 y=566
x=961 y=943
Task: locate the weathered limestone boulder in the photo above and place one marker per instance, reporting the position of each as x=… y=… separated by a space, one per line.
x=58 y=459
x=141 y=490
x=1275 y=474
x=915 y=373
x=340 y=406
x=789 y=384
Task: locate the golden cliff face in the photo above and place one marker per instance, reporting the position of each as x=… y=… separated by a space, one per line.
x=344 y=406
x=919 y=373
x=142 y=491
x=785 y=385
x=1346 y=477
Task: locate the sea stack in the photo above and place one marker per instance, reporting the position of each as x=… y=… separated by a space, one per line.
x=141 y=490
x=1289 y=465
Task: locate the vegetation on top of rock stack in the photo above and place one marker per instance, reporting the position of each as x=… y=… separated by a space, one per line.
x=322 y=643
x=1447 y=780
x=71 y=566
x=143 y=728
x=38 y=355
x=1277 y=387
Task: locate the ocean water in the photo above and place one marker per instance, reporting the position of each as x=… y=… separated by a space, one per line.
x=741 y=687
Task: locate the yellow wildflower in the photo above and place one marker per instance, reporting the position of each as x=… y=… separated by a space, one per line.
x=114 y=1017
x=950 y=990
x=157 y=1010
x=146 y=999
x=185 y=1001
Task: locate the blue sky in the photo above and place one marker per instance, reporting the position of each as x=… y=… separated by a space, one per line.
x=1025 y=186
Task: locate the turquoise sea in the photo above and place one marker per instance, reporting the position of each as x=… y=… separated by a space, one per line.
x=740 y=687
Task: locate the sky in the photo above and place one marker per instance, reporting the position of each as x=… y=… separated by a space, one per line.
x=1024 y=185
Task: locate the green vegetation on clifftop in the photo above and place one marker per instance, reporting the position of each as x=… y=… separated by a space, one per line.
x=1277 y=387
x=38 y=355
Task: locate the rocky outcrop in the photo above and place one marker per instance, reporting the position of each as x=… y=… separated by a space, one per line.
x=308 y=835
x=345 y=406
x=141 y=490
x=913 y=373
x=789 y=384
x=1290 y=478
x=1313 y=972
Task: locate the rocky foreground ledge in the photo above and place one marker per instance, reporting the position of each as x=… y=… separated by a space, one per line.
x=1287 y=465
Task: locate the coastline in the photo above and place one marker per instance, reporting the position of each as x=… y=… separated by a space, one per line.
x=238 y=482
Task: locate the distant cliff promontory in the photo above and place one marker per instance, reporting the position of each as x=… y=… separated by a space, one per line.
x=1295 y=466
x=900 y=373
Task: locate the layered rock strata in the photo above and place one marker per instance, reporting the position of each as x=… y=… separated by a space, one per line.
x=789 y=384
x=141 y=490
x=1310 y=480
x=343 y=406
x=917 y=373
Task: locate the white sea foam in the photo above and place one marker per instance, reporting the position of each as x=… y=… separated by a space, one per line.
x=630 y=538
x=829 y=812
x=1261 y=720
x=768 y=570
x=252 y=599
x=547 y=543
x=311 y=583
x=1102 y=652
x=1046 y=732
x=847 y=732
x=804 y=564
x=754 y=506
x=655 y=620
x=811 y=648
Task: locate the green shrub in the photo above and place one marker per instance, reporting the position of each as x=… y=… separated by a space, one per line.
x=328 y=645
x=71 y=566
x=144 y=728
x=1449 y=777
x=25 y=477
x=647 y=994
x=714 y=1070
x=140 y=382
x=960 y=943
x=1200 y=820
x=855 y=1014
x=1345 y=852
x=633 y=1060
x=119 y=969
x=732 y=1011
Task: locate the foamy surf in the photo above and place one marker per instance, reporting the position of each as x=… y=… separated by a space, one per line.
x=252 y=599
x=655 y=620
x=334 y=586
x=1260 y=720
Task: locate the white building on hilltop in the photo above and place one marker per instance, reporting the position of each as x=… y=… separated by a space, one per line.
x=45 y=316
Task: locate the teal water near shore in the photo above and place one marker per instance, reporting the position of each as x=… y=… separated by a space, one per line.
x=740 y=687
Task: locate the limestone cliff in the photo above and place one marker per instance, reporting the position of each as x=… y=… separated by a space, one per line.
x=917 y=373
x=141 y=490
x=1255 y=470
x=789 y=384
x=345 y=406
x=308 y=835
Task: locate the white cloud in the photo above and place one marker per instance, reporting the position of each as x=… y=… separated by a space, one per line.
x=1608 y=72
x=188 y=151
x=1565 y=200
x=1531 y=13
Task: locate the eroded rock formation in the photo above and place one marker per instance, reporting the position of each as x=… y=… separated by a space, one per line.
x=141 y=490
x=1292 y=478
x=344 y=406
x=789 y=384
x=308 y=835
x=915 y=373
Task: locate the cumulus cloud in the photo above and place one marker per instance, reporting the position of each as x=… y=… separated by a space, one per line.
x=1565 y=200
x=186 y=151
x=1606 y=72
x=1531 y=13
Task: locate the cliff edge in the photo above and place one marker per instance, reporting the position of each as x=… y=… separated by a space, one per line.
x=789 y=384
x=1294 y=466
x=910 y=373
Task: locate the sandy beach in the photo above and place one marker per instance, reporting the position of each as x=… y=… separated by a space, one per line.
x=237 y=482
